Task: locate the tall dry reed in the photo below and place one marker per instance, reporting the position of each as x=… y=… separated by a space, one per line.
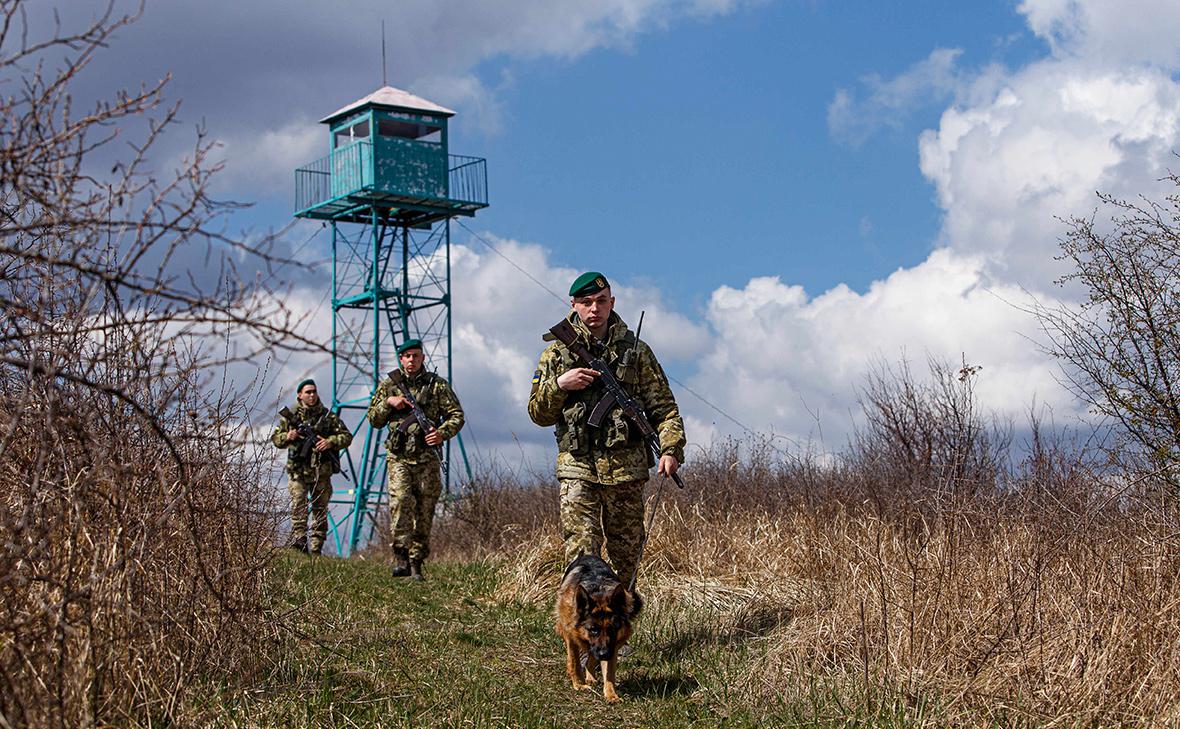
x=960 y=583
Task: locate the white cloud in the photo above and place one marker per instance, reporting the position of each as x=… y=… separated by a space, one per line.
x=1007 y=168
x=781 y=357
x=244 y=66
x=264 y=162
x=889 y=101
x=1017 y=149
x=1108 y=32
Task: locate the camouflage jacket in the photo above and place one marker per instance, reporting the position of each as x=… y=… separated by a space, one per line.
x=439 y=403
x=614 y=453
x=326 y=424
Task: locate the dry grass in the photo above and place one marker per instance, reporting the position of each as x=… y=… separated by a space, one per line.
x=1044 y=595
x=133 y=537
x=125 y=574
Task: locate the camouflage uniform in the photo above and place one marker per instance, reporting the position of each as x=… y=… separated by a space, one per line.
x=603 y=470
x=311 y=477
x=414 y=484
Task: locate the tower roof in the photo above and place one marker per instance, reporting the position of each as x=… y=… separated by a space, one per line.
x=388 y=96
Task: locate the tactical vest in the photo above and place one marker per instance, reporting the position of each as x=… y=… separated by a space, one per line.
x=574 y=434
x=321 y=424
x=412 y=442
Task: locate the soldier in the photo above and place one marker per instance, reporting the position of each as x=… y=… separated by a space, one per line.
x=310 y=477
x=603 y=470
x=413 y=455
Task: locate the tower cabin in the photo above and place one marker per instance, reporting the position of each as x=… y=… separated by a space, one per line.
x=388 y=162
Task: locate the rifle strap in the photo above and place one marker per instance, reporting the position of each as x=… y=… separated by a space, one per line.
x=651 y=517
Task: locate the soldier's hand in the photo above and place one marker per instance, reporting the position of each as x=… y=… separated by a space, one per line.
x=292 y=435
x=579 y=378
x=397 y=402
x=434 y=438
x=668 y=466
x=322 y=444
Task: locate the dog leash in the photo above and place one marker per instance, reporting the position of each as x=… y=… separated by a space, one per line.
x=647 y=532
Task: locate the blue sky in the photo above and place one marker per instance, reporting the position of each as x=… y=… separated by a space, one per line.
x=702 y=155
x=792 y=190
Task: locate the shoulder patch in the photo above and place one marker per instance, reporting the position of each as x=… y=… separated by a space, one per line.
x=536 y=383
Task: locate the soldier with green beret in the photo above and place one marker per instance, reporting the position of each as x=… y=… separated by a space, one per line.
x=310 y=477
x=412 y=453
x=603 y=471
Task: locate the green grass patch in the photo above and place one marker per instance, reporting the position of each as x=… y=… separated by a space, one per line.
x=357 y=647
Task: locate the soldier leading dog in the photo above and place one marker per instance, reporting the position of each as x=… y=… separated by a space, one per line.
x=594 y=614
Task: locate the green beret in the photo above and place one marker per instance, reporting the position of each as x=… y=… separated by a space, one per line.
x=304 y=384
x=407 y=345
x=588 y=283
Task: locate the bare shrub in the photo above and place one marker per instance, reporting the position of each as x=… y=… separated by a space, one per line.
x=927 y=572
x=135 y=537
x=1120 y=346
x=922 y=438
x=495 y=513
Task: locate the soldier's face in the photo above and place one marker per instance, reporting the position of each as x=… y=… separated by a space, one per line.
x=309 y=396
x=594 y=310
x=412 y=361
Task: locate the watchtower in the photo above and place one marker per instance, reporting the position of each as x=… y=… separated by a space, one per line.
x=388 y=188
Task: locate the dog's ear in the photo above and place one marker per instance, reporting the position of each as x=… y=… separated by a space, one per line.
x=626 y=602
x=582 y=601
x=618 y=600
x=636 y=605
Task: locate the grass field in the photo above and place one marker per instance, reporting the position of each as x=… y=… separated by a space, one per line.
x=365 y=649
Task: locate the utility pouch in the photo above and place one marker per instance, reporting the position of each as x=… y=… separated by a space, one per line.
x=627 y=370
x=618 y=430
x=575 y=439
x=397 y=441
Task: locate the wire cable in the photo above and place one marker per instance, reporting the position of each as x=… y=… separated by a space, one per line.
x=564 y=301
x=531 y=277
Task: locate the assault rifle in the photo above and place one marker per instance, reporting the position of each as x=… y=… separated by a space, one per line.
x=615 y=394
x=417 y=414
x=307 y=439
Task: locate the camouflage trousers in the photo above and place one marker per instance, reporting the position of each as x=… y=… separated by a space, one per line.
x=413 y=492
x=315 y=487
x=592 y=513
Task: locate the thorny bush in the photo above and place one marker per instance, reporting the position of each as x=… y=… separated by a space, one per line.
x=133 y=534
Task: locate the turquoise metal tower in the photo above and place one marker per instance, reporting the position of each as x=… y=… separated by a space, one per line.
x=388 y=188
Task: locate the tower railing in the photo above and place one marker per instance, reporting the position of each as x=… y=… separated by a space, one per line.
x=348 y=172
x=468 y=179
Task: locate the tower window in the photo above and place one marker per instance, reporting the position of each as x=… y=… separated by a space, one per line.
x=360 y=130
x=409 y=130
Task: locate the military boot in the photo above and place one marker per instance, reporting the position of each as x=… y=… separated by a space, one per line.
x=401 y=563
x=299 y=545
x=416 y=570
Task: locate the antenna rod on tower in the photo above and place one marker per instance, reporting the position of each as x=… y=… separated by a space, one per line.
x=383 y=81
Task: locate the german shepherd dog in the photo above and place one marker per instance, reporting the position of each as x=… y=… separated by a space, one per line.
x=594 y=614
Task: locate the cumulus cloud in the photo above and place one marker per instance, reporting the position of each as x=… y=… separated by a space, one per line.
x=1036 y=147
x=1108 y=32
x=242 y=69
x=1016 y=151
x=263 y=161
x=782 y=358
x=888 y=102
